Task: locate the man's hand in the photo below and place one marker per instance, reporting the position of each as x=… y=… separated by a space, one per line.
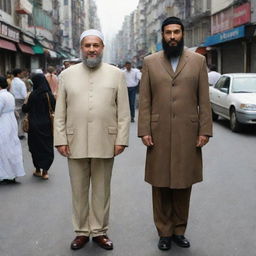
x=119 y=149
x=202 y=140
x=147 y=140
x=63 y=150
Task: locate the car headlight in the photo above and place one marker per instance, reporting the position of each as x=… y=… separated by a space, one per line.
x=250 y=107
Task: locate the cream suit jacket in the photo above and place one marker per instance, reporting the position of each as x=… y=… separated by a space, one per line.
x=92 y=111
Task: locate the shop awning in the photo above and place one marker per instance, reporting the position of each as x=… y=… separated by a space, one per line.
x=7 y=45
x=63 y=55
x=26 y=49
x=51 y=53
x=38 y=49
x=200 y=50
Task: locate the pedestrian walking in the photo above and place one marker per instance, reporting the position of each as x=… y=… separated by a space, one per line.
x=52 y=80
x=11 y=162
x=19 y=91
x=91 y=127
x=40 y=135
x=132 y=77
x=174 y=123
x=213 y=75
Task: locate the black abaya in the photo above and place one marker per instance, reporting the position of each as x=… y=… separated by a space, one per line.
x=40 y=137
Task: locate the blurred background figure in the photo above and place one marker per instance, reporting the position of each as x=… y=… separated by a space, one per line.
x=9 y=77
x=213 y=75
x=52 y=80
x=66 y=64
x=40 y=137
x=132 y=76
x=19 y=91
x=26 y=79
x=11 y=162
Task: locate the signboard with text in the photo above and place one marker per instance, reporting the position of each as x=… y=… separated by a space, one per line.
x=8 y=32
x=228 y=35
x=242 y=14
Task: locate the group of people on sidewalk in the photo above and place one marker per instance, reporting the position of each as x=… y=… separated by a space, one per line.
x=17 y=101
x=91 y=128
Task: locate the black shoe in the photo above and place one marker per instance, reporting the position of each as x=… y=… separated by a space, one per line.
x=165 y=243
x=181 y=241
x=132 y=120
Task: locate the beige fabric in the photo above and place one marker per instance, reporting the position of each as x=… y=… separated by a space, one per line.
x=19 y=115
x=174 y=108
x=90 y=219
x=92 y=111
x=171 y=209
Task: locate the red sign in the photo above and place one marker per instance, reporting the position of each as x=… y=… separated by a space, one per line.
x=242 y=14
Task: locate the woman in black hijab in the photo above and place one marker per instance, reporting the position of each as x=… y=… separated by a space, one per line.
x=40 y=137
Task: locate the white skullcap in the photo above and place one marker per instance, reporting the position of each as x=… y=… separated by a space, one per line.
x=92 y=32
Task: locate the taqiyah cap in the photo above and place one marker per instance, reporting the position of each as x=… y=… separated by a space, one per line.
x=92 y=32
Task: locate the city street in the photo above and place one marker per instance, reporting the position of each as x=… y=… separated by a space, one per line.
x=35 y=215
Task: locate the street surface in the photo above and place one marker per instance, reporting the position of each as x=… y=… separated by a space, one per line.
x=35 y=215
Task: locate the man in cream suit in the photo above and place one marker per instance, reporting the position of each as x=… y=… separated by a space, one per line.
x=92 y=120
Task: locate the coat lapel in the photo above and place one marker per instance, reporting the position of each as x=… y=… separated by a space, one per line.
x=168 y=67
x=166 y=64
x=182 y=62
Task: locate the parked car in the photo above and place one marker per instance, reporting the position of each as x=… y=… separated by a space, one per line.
x=234 y=98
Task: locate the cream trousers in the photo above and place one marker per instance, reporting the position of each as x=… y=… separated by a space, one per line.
x=90 y=216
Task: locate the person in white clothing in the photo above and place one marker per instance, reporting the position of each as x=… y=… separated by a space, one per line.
x=132 y=76
x=213 y=75
x=11 y=163
x=19 y=91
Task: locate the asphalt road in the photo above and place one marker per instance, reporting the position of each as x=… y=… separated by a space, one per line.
x=35 y=215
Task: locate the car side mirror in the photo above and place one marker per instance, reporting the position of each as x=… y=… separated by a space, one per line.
x=225 y=90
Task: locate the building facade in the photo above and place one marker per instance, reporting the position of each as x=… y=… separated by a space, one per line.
x=37 y=33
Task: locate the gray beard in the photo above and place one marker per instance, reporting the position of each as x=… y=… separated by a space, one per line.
x=92 y=62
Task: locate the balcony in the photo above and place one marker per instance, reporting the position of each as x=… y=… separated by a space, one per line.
x=23 y=7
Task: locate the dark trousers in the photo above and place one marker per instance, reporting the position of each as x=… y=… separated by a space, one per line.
x=132 y=97
x=171 y=209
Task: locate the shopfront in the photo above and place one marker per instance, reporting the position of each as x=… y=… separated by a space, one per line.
x=9 y=36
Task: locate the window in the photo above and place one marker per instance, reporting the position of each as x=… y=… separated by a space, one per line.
x=223 y=84
x=65 y=2
x=6 y=6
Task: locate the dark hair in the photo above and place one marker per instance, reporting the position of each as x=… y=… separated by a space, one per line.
x=16 y=71
x=172 y=20
x=128 y=62
x=3 y=82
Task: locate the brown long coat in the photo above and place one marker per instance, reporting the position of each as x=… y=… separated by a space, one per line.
x=174 y=109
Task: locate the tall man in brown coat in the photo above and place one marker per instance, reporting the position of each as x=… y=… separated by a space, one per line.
x=174 y=123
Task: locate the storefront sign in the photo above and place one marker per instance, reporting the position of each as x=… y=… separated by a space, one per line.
x=8 y=32
x=242 y=14
x=228 y=35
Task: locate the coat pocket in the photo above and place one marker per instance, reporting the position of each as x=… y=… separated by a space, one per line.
x=154 y=117
x=112 y=130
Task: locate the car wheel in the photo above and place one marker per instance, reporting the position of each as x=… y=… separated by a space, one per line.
x=234 y=124
x=214 y=116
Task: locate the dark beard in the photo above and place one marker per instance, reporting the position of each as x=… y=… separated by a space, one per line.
x=173 y=51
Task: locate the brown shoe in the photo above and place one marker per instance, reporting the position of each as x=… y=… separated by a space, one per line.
x=104 y=242
x=79 y=242
x=37 y=174
x=45 y=175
